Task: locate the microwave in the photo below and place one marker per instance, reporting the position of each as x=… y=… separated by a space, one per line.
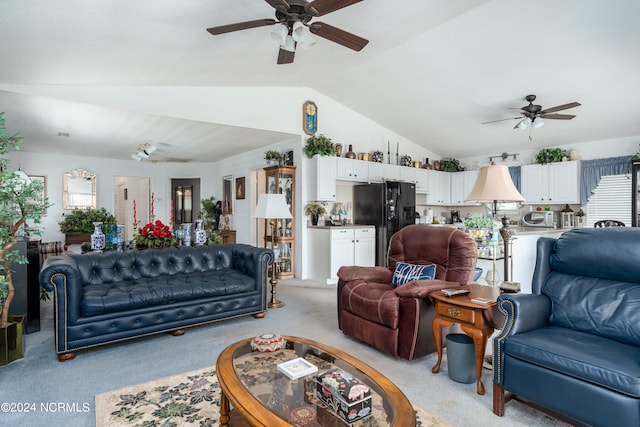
x=549 y=219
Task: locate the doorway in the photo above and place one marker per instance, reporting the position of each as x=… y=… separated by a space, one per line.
x=127 y=191
x=186 y=200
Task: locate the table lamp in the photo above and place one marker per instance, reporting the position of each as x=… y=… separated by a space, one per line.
x=494 y=184
x=273 y=207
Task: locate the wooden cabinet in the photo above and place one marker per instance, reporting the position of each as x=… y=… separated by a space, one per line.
x=461 y=185
x=553 y=183
x=332 y=248
x=321 y=178
x=352 y=170
x=281 y=179
x=228 y=236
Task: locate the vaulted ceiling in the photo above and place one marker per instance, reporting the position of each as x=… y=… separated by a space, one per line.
x=433 y=71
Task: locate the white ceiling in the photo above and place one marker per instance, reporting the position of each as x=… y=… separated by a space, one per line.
x=434 y=70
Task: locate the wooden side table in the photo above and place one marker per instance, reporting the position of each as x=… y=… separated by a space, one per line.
x=228 y=236
x=475 y=319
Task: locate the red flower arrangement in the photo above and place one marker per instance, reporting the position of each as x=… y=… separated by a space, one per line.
x=155 y=235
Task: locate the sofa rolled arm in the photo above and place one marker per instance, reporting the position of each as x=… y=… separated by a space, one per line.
x=422 y=288
x=524 y=312
x=250 y=260
x=62 y=275
x=368 y=274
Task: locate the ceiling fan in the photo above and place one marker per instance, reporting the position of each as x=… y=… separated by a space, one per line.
x=293 y=17
x=533 y=115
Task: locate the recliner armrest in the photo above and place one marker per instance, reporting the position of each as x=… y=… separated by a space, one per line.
x=524 y=312
x=422 y=288
x=368 y=274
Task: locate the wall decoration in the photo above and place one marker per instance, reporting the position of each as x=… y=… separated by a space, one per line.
x=42 y=179
x=240 y=188
x=310 y=117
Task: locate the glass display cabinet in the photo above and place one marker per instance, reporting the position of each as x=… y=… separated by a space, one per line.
x=635 y=193
x=281 y=179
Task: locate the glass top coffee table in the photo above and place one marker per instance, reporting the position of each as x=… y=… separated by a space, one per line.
x=263 y=396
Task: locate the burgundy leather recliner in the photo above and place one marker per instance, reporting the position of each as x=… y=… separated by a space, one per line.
x=397 y=320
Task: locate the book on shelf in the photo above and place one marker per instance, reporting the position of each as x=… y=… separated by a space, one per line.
x=297 y=368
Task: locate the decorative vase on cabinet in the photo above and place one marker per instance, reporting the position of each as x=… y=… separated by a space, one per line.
x=199 y=234
x=98 y=238
x=281 y=179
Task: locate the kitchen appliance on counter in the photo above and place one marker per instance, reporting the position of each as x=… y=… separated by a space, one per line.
x=388 y=206
x=455 y=217
x=547 y=219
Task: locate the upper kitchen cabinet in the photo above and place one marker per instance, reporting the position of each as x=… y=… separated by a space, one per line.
x=438 y=188
x=379 y=172
x=352 y=170
x=553 y=183
x=461 y=185
x=321 y=178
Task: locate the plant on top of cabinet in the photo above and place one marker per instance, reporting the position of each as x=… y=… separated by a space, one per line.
x=450 y=165
x=82 y=220
x=320 y=145
x=273 y=157
x=550 y=155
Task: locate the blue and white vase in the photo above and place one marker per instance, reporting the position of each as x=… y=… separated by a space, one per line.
x=199 y=234
x=186 y=234
x=98 y=238
x=118 y=235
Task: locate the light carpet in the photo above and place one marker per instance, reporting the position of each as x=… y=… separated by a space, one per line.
x=189 y=399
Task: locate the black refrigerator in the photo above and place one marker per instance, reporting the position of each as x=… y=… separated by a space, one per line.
x=388 y=206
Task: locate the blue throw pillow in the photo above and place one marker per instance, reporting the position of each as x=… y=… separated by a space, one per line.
x=408 y=272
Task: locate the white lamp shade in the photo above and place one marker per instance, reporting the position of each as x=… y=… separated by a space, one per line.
x=150 y=148
x=300 y=33
x=279 y=35
x=494 y=184
x=537 y=123
x=289 y=44
x=524 y=123
x=272 y=206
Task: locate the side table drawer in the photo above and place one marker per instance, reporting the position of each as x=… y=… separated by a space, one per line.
x=462 y=314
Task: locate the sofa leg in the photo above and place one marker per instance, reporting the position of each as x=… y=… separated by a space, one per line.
x=66 y=356
x=259 y=315
x=178 y=332
x=498 y=399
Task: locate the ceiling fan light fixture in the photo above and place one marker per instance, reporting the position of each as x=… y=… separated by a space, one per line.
x=289 y=44
x=300 y=32
x=524 y=123
x=136 y=157
x=279 y=35
x=537 y=123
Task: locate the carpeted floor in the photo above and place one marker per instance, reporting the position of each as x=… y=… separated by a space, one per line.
x=44 y=392
x=189 y=399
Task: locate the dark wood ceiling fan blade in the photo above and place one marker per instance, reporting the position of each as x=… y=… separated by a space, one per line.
x=501 y=120
x=275 y=3
x=285 y=57
x=557 y=116
x=222 y=29
x=322 y=7
x=560 y=107
x=339 y=36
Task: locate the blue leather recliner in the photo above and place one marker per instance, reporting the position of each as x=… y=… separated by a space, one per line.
x=573 y=345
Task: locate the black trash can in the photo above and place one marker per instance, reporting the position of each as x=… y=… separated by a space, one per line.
x=461 y=358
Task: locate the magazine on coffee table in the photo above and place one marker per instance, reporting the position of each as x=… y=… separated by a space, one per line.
x=297 y=368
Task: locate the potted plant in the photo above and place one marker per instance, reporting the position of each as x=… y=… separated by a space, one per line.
x=320 y=145
x=210 y=214
x=78 y=225
x=22 y=206
x=450 y=165
x=315 y=210
x=273 y=157
x=551 y=155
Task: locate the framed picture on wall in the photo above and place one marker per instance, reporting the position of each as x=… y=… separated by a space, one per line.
x=310 y=117
x=240 y=188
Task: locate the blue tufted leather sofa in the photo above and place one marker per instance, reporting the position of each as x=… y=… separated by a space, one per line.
x=573 y=345
x=108 y=297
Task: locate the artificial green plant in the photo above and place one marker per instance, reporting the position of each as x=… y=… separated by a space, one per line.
x=22 y=205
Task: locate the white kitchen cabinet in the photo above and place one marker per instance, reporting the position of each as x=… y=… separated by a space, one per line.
x=438 y=188
x=379 y=172
x=553 y=183
x=321 y=178
x=422 y=181
x=333 y=247
x=352 y=170
x=461 y=185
